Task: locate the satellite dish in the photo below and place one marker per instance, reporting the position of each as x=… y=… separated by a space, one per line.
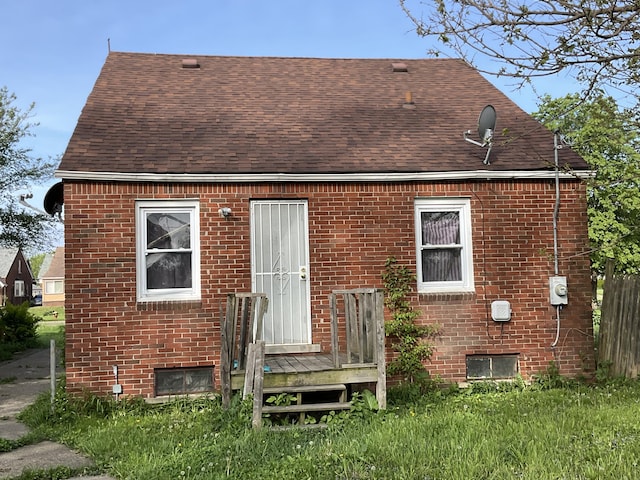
x=486 y=127
x=54 y=199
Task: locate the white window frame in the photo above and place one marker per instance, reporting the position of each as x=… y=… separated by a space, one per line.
x=462 y=206
x=19 y=289
x=145 y=207
x=53 y=287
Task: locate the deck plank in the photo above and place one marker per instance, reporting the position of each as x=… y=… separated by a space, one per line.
x=308 y=369
x=299 y=363
x=307 y=407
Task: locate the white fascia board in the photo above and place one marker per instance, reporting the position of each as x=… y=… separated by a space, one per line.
x=320 y=177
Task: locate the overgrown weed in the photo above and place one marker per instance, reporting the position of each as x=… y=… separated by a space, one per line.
x=488 y=430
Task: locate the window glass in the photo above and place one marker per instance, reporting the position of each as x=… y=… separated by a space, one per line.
x=166 y=233
x=491 y=366
x=184 y=380
x=441 y=247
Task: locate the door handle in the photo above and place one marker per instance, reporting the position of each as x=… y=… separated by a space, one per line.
x=303 y=273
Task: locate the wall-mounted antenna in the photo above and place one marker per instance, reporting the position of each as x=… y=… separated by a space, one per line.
x=24 y=203
x=486 y=127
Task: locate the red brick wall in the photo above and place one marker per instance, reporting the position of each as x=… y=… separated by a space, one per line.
x=353 y=228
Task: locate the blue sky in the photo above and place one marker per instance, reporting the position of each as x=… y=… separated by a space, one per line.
x=51 y=51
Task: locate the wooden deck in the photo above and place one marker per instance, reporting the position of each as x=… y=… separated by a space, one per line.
x=309 y=369
x=351 y=362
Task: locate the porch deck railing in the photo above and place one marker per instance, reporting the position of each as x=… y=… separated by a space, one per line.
x=363 y=312
x=358 y=314
x=241 y=326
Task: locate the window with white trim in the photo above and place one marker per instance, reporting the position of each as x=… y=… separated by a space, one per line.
x=53 y=287
x=443 y=240
x=168 y=250
x=18 y=288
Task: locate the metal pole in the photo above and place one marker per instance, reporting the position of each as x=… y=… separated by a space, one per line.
x=52 y=370
x=556 y=210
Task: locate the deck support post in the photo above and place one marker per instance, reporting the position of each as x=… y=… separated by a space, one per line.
x=381 y=384
x=258 y=383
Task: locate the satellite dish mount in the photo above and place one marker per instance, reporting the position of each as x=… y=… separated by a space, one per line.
x=486 y=127
x=54 y=200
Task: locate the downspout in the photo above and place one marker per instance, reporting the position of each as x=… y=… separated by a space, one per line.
x=556 y=211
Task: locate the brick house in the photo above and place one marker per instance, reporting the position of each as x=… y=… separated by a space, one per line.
x=16 y=278
x=188 y=178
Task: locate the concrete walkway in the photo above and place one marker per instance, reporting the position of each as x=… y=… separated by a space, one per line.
x=27 y=376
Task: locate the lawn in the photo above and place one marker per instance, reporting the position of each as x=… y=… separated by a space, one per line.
x=48 y=313
x=574 y=432
x=45 y=331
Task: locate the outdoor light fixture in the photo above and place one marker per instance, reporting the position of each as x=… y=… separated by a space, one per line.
x=225 y=212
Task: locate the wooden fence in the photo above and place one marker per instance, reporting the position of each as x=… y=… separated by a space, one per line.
x=619 y=337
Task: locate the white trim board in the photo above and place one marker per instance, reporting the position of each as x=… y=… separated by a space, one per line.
x=320 y=177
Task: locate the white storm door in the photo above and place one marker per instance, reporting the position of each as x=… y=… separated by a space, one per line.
x=280 y=269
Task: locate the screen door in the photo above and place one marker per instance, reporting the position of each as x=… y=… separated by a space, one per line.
x=280 y=268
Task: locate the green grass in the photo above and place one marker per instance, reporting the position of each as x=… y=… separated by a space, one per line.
x=48 y=313
x=44 y=334
x=47 y=332
x=576 y=432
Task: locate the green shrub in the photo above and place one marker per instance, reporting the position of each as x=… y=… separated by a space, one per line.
x=17 y=324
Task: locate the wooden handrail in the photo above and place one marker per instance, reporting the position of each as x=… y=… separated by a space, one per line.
x=240 y=326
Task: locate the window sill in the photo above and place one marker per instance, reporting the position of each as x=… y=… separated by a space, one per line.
x=437 y=297
x=167 y=305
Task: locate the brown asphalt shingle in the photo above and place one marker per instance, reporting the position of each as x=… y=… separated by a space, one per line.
x=234 y=115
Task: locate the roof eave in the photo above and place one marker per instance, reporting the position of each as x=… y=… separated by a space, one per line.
x=321 y=177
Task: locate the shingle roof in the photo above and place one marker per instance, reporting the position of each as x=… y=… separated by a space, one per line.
x=7 y=257
x=148 y=114
x=55 y=269
x=46 y=263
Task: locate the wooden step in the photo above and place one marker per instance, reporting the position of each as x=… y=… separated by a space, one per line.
x=339 y=387
x=306 y=407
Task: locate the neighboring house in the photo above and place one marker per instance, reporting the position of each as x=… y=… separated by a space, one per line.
x=52 y=279
x=188 y=178
x=16 y=279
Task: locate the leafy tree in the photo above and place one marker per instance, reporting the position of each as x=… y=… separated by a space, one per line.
x=608 y=138
x=596 y=41
x=19 y=171
x=36 y=264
